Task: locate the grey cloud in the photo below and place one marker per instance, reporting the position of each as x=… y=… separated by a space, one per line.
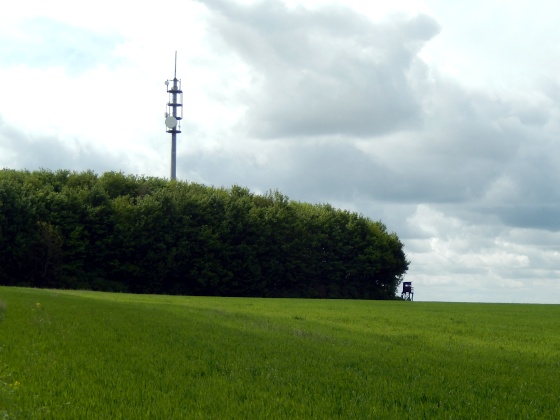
x=44 y=42
x=329 y=71
x=21 y=151
x=530 y=197
x=532 y=115
x=330 y=170
x=532 y=237
x=307 y=170
x=537 y=216
x=333 y=73
x=487 y=156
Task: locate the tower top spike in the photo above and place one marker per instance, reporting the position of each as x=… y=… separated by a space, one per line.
x=175 y=74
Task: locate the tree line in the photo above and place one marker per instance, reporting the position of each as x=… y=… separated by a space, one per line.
x=118 y=232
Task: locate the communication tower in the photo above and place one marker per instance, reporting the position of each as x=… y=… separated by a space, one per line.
x=407 y=291
x=174 y=115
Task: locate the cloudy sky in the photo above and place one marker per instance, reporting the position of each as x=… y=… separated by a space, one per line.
x=439 y=118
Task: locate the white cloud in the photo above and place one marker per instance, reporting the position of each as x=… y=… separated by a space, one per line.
x=494 y=261
x=323 y=72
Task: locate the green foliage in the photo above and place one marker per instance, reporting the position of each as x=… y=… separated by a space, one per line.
x=118 y=232
x=100 y=355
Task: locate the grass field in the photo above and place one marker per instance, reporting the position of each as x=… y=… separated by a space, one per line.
x=70 y=354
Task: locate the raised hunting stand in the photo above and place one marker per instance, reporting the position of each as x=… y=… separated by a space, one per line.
x=407 y=291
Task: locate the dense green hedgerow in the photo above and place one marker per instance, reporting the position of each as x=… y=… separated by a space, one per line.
x=117 y=232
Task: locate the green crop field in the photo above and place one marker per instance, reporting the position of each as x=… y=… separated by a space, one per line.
x=75 y=354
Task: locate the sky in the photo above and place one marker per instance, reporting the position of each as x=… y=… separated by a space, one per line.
x=441 y=119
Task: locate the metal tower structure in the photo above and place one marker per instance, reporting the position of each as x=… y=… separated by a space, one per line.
x=407 y=291
x=174 y=115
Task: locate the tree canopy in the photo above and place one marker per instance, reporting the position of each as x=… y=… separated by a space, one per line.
x=118 y=232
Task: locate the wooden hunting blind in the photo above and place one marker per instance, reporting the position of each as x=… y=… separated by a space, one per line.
x=407 y=291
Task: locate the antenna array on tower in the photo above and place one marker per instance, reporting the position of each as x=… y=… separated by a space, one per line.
x=174 y=115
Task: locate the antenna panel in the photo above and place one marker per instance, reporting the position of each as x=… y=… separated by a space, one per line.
x=171 y=122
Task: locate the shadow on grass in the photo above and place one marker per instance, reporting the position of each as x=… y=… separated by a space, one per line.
x=2 y=310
